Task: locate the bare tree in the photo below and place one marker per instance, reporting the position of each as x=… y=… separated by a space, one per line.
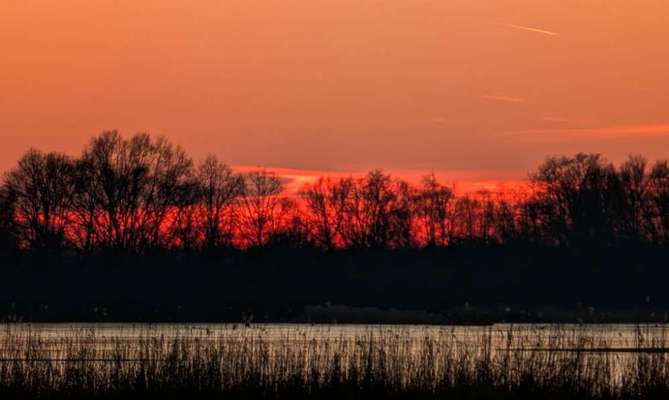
x=139 y=193
x=467 y=212
x=513 y=216
x=374 y=207
x=574 y=198
x=219 y=190
x=185 y=224
x=261 y=207
x=293 y=230
x=632 y=200
x=8 y=237
x=373 y=211
x=135 y=183
x=432 y=203
x=659 y=202
x=402 y=222
x=326 y=202
x=42 y=188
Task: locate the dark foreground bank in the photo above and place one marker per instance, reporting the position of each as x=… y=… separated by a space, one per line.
x=475 y=285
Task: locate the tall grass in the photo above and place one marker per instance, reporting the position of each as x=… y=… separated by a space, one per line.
x=332 y=363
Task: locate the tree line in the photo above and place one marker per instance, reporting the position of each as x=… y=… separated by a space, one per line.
x=141 y=193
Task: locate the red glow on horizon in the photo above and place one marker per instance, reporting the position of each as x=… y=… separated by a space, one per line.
x=461 y=181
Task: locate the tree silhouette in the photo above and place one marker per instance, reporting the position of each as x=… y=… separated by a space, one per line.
x=219 y=189
x=140 y=193
x=133 y=184
x=632 y=200
x=574 y=198
x=432 y=207
x=371 y=211
x=659 y=202
x=41 y=186
x=326 y=201
x=262 y=209
x=8 y=237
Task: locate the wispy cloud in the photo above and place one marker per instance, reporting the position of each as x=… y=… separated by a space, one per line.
x=462 y=180
x=561 y=120
x=609 y=132
x=530 y=29
x=506 y=99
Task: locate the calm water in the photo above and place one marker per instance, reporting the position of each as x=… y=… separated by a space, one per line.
x=276 y=349
x=498 y=337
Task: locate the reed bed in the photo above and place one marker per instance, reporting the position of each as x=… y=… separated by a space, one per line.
x=293 y=362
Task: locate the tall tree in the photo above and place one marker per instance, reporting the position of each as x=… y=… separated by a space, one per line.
x=261 y=207
x=134 y=183
x=574 y=195
x=41 y=187
x=8 y=238
x=326 y=201
x=632 y=200
x=373 y=209
x=432 y=207
x=659 y=202
x=219 y=189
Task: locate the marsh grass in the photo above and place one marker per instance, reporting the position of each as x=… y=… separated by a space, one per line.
x=332 y=363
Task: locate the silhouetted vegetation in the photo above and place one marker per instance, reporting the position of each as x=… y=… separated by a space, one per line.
x=135 y=226
x=312 y=363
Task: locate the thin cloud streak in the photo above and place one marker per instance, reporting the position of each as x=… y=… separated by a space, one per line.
x=611 y=132
x=505 y=99
x=463 y=181
x=561 y=120
x=530 y=29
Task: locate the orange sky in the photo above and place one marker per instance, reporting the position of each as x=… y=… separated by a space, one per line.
x=476 y=90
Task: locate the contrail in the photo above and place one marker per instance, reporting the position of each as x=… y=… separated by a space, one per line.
x=506 y=99
x=530 y=29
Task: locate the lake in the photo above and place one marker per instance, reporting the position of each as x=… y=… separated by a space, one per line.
x=104 y=337
x=401 y=353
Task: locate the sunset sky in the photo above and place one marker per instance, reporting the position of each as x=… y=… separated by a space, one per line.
x=475 y=90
